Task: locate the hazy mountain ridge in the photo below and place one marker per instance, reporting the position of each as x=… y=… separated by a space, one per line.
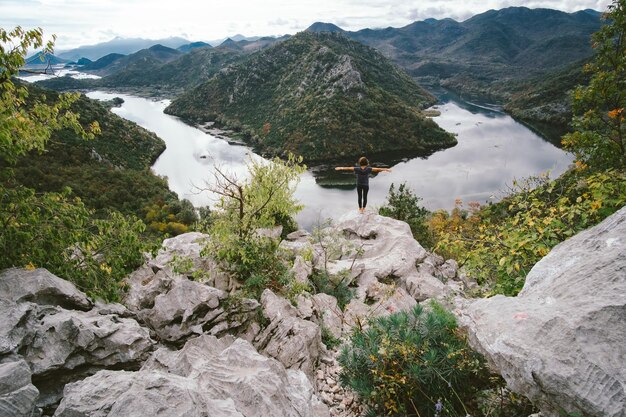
x=509 y=43
x=124 y=46
x=318 y=95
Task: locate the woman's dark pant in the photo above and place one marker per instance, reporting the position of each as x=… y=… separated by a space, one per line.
x=362 y=190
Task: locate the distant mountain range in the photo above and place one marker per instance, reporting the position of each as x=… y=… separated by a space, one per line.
x=118 y=45
x=319 y=95
x=41 y=59
x=503 y=55
x=512 y=43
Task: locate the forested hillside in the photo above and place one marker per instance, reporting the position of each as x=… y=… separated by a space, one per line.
x=318 y=95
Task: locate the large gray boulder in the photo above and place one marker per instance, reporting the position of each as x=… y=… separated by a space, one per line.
x=186 y=309
x=562 y=341
x=66 y=345
x=41 y=287
x=17 y=394
x=131 y=394
x=388 y=248
x=16 y=325
x=208 y=377
x=295 y=342
x=67 y=340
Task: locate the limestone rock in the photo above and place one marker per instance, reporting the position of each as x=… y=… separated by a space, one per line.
x=41 y=287
x=207 y=377
x=16 y=325
x=298 y=236
x=130 y=394
x=17 y=394
x=296 y=343
x=328 y=313
x=388 y=248
x=191 y=308
x=144 y=285
x=301 y=269
x=423 y=286
x=560 y=342
x=185 y=246
x=65 y=340
x=183 y=254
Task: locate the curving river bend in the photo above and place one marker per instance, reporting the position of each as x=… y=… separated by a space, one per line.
x=493 y=150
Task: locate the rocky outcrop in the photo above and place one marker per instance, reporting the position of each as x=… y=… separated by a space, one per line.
x=561 y=341
x=190 y=309
x=178 y=308
x=17 y=394
x=295 y=342
x=41 y=287
x=182 y=253
x=208 y=377
x=44 y=326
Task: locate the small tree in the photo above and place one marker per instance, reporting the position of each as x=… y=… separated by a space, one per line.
x=264 y=201
x=403 y=205
x=599 y=137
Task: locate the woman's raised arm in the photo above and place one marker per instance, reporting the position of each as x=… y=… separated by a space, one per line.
x=344 y=169
x=381 y=170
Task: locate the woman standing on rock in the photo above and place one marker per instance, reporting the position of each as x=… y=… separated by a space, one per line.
x=362 y=171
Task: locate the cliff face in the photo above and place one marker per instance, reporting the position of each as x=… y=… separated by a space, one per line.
x=319 y=95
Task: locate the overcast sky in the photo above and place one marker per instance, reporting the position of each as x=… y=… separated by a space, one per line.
x=85 y=22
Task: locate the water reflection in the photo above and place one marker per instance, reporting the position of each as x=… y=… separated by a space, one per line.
x=493 y=150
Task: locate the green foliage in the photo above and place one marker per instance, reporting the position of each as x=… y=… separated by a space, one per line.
x=402 y=364
x=499 y=244
x=112 y=171
x=54 y=230
x=333 y=284
x=57 y=232
x=332 y=245
x=24 y=128
x=599 y=137
x=329 y=339
x=403 y=205
x=319 y=96
x=262 y=202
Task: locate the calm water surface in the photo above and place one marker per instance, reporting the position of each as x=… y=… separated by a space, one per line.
x=493 y=150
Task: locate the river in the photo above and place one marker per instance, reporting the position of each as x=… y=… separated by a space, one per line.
x=492 y=152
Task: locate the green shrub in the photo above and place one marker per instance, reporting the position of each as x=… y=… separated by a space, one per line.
x=401 y=365
x=329 y=339
x=498 y=244
x=57 y=232
x=403 y=205
x=335 y=285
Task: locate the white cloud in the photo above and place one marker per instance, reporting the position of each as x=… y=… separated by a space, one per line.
x=80 y=22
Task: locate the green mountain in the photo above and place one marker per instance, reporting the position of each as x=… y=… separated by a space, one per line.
x=103 y=62
x=187 y=70
x=84 y=61
x=545 y=102
x=324 y=27
x=146 y=58
x=319 y=95
x=193 y=45
x=41 y=59
x=509 y=44
x=156 y=74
